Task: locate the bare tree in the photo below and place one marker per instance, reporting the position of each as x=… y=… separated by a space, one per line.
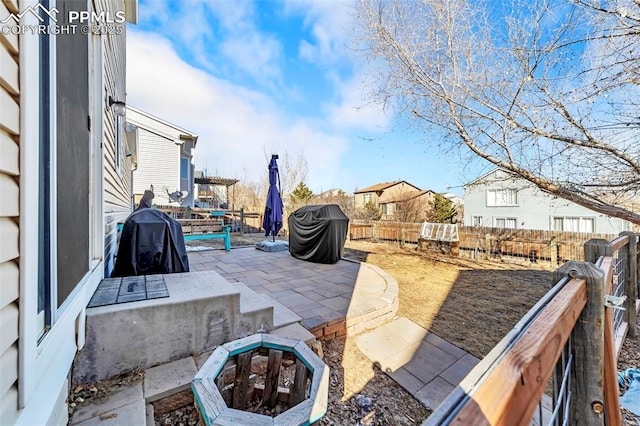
x=337 y=196
x=411 y=206
x=547 y=89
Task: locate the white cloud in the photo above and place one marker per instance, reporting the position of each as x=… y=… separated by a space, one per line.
x=256 y=54
x=236 y=126
x=330 y=23
x=354 y=109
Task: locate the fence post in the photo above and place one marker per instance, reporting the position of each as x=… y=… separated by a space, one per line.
x=242 y=221
x=553 y=251
x=587 y=387
x=630 y=280
x=487 y=246
x=401 y=237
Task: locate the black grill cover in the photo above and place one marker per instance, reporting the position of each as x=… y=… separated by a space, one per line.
x=317 y=233
x=151 y=243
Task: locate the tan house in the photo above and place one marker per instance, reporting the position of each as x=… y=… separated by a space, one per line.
x=398 y=200
x=411 y=206
x=382 y=193
x=66 y=182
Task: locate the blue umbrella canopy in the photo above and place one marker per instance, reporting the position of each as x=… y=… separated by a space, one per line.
x=272 y=220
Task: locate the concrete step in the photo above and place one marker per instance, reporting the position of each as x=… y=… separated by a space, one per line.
x=203 y=310
x=124 y=408
x=282 y=315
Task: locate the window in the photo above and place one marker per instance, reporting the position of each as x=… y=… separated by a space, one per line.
x=366 y=198
x=185 y=169
x=66 y=172
x=505 y=222
x=477 y=220
x=574 y=224
x=502 y=197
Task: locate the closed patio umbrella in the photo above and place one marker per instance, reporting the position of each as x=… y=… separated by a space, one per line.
x=272 y=220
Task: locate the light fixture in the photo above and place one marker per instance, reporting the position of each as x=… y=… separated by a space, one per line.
x=119 y=107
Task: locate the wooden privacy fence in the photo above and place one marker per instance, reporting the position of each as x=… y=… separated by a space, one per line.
x=558 y=364
x=487 y=243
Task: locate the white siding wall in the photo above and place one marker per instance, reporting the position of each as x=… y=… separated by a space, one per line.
x=117 y=180
x=535 y=209
x=158 y=165
x=9 y=212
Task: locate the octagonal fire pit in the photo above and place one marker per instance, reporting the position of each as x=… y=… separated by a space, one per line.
x=262 y=379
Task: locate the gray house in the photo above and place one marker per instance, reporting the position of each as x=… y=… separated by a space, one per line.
x=501 y=199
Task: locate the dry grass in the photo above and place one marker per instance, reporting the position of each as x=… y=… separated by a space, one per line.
x=471 y=304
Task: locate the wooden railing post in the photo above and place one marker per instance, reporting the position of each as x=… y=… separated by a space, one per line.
x=595 y=248
x=630 y=282
x=587 y=387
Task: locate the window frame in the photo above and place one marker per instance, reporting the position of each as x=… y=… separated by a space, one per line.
x=580 y=221
x=506 y=219
x=510 y=197
x=46 y=344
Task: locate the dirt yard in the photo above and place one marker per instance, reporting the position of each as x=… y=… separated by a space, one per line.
x=471 y=304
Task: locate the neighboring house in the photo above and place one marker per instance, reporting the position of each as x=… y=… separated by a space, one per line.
x=214 y=191
x=501 y=199
x=411 y=206
x=66 y=183
x=382 y=193
x=455 y=199
x=164 y=160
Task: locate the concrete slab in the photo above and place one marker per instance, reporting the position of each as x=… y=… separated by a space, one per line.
x=426 y=365
x=434 y=393
x=459 y=369
x=407 y=380
x=429 y=362
x=166 y=379
x=126 y=401
x=132 y=414
x=449 y=348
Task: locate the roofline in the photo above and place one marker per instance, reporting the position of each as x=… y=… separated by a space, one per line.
x=419 y=194
x=389 y=184
x=185 y=134
x=487 y=174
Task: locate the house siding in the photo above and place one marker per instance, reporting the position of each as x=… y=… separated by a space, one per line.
x=158 y=165
x=161 y=146
x=117 y=179
x=33 y=373
x=535 y=208
x=9 y=214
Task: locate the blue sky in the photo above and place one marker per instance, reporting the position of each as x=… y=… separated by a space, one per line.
x=256 y=78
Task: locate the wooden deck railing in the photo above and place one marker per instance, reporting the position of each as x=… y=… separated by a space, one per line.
x=558 y=364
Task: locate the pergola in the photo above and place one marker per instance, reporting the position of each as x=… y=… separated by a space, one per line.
x=216 y=181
